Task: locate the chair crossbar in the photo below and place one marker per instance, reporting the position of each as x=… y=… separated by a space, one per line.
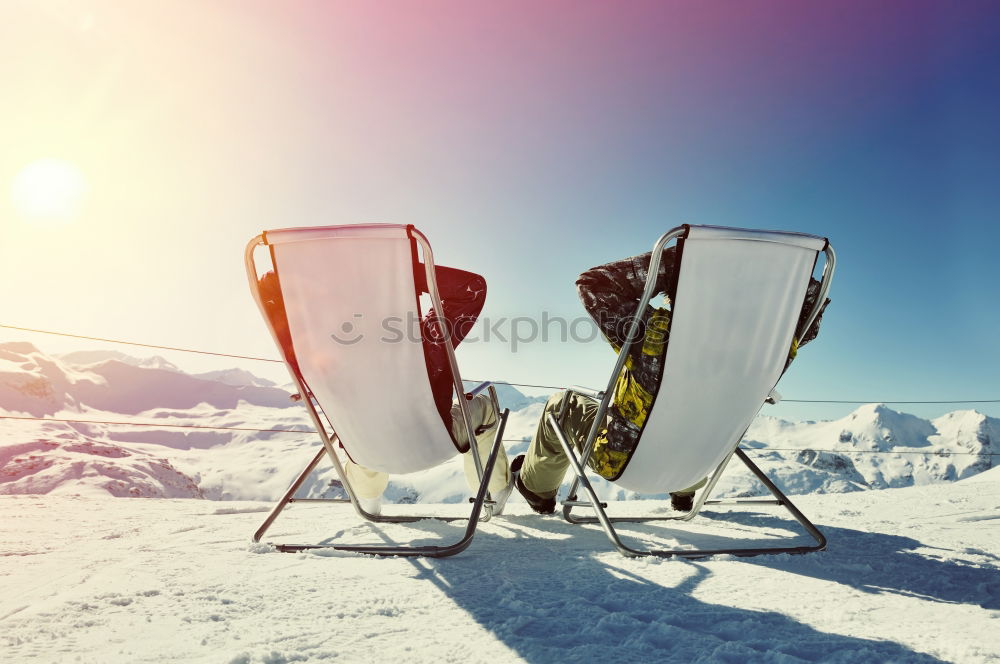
x=432 y=551
x=607 y=523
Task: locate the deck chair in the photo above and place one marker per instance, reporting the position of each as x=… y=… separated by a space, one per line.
x=339 y=286
x=735 y=308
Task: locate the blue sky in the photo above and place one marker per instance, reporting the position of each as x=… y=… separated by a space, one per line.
x=528 y=144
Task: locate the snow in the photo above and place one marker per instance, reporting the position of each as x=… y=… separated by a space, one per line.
x=907 y=450
x=235 y=377
x=991 y=475
x=873 y=447
x=910 y=575
x=911 y=508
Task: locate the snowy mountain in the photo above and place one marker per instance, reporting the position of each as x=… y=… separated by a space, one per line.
x=875 y=447
x=237 y=377
x=509 y=396
x=38 y=384
x=85 y=357
x=238 y=448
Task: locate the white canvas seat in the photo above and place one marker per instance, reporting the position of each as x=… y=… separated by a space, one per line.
x=734 y=313
x=348 y=294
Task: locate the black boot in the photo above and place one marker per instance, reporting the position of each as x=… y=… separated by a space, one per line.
x=537 y=503
x=682 y=502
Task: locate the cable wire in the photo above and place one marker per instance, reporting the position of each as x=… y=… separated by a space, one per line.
x=154 y=425
x=159 y=425
x=503 y=382
x=135 y=343
x=884 y=401
x=495 y=382
x=812 y=449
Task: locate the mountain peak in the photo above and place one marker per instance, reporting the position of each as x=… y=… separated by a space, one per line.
x=90 y=357
x=41 y=384
x=235 y=376
x=875 y=410
x=18 y=347
x=875 y=426
x=971 y=429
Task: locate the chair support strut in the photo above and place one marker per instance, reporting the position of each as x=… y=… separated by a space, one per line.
x=607 y=523
x=433 y=551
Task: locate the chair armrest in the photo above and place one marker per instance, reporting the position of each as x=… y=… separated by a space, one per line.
x=470 y=395
x=585 y=391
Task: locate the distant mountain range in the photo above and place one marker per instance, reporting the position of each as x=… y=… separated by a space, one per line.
x=876 y=447
x=872 y=448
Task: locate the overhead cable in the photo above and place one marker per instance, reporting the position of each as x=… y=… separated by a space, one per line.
x=495 y=382
x=160 y=425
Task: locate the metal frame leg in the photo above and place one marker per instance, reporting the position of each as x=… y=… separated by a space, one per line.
x=701 y=500
x=604 y=398
x=329 y=441
x=287 y=497
x=609 y=529
x=433 y=551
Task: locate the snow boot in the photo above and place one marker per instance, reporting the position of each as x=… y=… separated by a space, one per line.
x=682 y=502
x=537 y=503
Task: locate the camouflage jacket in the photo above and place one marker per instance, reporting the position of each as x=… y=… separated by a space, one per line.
x=610 y=294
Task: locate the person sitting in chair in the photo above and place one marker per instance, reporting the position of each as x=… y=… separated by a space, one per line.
x=463 y=295
x=611 y=294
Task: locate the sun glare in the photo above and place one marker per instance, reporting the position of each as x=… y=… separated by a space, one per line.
x=48 y=190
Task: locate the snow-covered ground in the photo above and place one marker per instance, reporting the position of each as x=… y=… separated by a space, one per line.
x=910 y=575
x=911 y=508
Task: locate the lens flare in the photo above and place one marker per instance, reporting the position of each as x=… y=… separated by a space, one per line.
x=48 y=190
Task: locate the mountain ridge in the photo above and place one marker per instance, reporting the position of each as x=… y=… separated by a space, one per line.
x=873 y=447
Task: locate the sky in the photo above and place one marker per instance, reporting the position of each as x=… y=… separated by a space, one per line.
x=529 y=142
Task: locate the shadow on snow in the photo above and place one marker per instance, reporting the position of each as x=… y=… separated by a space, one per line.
x=554 y=601
x=882 y=563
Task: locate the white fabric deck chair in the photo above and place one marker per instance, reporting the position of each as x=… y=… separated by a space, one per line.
x=340 y=286
x=735 y=308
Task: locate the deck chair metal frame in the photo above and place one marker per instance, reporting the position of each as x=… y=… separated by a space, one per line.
x=605 y=397
x=482 y=503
